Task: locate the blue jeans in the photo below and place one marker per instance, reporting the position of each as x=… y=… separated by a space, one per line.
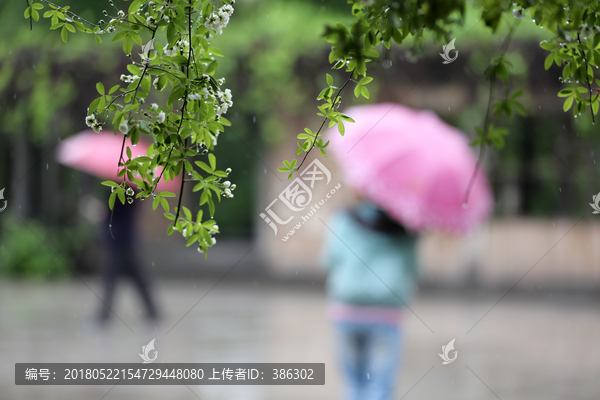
x=370 y=355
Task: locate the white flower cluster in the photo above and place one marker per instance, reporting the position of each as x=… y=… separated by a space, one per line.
x=93 y=123
x=129 y=78
x=219 y=20
x=180 y=46
x=226 y=102
x=203 y=94
x=228 y=189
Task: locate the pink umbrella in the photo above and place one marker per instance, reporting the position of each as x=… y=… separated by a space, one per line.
x=412 y=165
x=98 y=154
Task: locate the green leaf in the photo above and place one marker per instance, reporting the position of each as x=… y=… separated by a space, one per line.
x=204 y=166
x=565 y=92
x=567 y=104
x=213 y=161
x=127 y=44
x=364 y=91
x=329 y=79
x=111 y=200
x=100 y=88
x=548 y=61
x=135 y=6
x=98 y=39
x=109 y=183
x=121 y=193
x=165 y=204
x=64 y=34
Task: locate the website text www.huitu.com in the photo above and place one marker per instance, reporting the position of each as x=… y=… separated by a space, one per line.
x=313 y=210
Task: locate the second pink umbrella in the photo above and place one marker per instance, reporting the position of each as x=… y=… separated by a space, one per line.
x=98 y=154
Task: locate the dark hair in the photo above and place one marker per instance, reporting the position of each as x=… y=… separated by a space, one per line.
x=378 y=220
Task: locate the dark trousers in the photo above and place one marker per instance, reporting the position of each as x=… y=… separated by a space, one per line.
x=121 y=259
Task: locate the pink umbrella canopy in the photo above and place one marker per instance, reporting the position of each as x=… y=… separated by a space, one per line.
x=98 y=154
x=414 y=166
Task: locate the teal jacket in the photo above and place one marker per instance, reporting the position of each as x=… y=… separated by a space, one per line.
x=366 y=267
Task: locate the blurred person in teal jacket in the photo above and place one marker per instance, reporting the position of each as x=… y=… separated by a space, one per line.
x=371 y=266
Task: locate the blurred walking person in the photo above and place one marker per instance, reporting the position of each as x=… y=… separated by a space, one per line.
x=418 y=174
x=120 y=240
x=371 y=266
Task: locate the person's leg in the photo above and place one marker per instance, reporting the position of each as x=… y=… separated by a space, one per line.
x=141 y=282
x=111 y=274
x=383 y=359
x=351 y=346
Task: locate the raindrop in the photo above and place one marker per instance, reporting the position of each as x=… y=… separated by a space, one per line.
x=465 y=205
x=559 y=189
x=387 y=64
x=265 y=171
x=15 y=96
x=296 y=272
x=46 y=166
x=553 y=224
x=135 y=145
x=540 y=107
x=254 y=119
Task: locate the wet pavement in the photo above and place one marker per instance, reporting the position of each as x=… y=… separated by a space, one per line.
x=533 y=346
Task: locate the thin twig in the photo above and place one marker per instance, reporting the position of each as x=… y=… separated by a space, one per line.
x=487 y=120
x=587 y=78
x=187 y=72
x=324 y=120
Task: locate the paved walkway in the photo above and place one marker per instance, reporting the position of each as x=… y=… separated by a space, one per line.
x=535 y=347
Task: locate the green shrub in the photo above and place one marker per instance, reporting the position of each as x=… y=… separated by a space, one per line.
x=29 y=249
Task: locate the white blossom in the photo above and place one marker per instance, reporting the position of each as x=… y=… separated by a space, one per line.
x=213 y=241
x=161 y=117
x=124 y=128
x=120 y=14
x=517 y=13
x=90 y=120
x=154 y=107
x=151 y=22
x=227 y=184
x=169 y=51
x=129 y=78
x=97 y=127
